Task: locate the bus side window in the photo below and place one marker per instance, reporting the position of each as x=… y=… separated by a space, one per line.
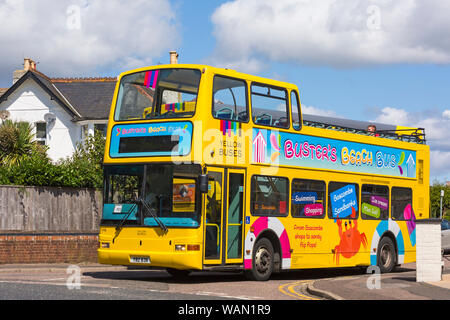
x=343 y=200
x=374 y=202
x=308 y=198
x=269 y=196
x=402 y=204
x=230 y=99
x=295 y=109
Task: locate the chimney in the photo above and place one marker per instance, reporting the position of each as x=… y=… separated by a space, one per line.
x=28 y=64
x=173 y=57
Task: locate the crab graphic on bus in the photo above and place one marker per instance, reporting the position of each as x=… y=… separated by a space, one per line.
x=350 y=239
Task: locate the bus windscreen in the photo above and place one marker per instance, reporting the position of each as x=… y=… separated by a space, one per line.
x=158 y=94
x=169 y=192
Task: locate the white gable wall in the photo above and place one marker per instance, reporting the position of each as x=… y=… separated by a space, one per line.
x=29 y=102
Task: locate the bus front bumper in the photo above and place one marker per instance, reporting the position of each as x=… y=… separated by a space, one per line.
x=179 y=260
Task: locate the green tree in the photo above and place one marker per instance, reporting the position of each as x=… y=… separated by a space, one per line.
x=17 y=142
x=435 y=198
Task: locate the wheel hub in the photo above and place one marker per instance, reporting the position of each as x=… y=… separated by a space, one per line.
x=262 y=260
x=386 y=255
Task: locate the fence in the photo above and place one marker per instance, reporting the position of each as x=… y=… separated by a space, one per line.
x=49 y=225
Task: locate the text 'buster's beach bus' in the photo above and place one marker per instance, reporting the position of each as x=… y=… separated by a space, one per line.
x=212 y=169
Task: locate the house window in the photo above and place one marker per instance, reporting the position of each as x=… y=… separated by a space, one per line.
x=100 y=127
x=41 y=133
x=84 y=131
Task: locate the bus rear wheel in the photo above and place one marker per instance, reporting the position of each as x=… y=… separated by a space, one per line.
x=386 y=257
x=262 y=262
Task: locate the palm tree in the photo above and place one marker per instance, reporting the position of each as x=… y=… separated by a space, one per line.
x=16 y=142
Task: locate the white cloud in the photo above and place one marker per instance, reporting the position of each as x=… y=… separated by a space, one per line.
x=318 y=112
x=337 y=33
x=84 y=37
x=439 y=165
x=393 y=116
x=446 y=114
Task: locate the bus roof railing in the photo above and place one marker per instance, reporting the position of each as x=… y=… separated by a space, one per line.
x=415 y=135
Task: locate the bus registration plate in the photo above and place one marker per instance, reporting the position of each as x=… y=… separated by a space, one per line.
x=139 y=259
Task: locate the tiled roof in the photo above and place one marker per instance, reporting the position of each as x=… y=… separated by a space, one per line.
x=92 y=99
x=83 y=98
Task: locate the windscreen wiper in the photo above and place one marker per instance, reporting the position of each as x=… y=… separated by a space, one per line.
x=153 y=214
x=119 y=227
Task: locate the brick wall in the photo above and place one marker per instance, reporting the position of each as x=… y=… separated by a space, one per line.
x=48 y=248
x=49 y=225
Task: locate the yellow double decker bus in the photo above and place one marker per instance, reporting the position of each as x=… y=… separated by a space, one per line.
x=212 y=169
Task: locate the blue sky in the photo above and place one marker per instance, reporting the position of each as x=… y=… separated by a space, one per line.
x=379 y=60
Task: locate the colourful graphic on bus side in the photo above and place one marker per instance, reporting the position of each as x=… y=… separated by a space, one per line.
x=343 y=202
x=259 y=225
x=228 y=127
x=282 y=148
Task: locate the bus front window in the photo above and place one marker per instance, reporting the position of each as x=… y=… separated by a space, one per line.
x=156 y=94
x=143 y=194
x=172 y=192
x=122 y=189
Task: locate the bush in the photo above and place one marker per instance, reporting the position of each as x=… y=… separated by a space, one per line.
x=16 y=142
x=83 y=170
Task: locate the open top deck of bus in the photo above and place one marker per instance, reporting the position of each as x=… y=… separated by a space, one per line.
x=407 y=134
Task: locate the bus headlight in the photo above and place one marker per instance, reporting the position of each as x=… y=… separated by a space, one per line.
x=105 y=245
x=180 y=247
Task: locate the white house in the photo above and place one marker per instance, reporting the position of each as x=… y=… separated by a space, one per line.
x=62 y=110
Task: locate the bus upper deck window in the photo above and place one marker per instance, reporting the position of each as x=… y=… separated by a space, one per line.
x=230 y=99
x=270 y=106
x=295 y=107
x=155 y=94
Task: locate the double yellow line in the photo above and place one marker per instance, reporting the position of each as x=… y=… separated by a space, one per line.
x=289 y=290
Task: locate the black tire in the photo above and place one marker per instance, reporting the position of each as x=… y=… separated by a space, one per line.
x=386 y=255
x=262 y=261
x=177 y=273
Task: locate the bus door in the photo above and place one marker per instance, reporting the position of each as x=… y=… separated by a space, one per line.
x=234 y=216
x=213 y=217
x=224 y=214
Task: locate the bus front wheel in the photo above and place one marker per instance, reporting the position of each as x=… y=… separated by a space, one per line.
x=262 y=262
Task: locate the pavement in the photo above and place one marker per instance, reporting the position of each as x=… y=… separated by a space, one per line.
x=354 y=285
x=398 y=285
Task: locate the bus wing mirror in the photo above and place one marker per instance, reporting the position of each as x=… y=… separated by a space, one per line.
x=203 y=181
